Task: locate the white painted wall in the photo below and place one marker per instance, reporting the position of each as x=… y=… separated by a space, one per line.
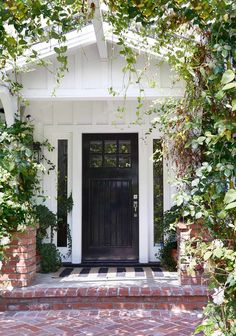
x=89 y=77
x=83 y=104
x=69 y=120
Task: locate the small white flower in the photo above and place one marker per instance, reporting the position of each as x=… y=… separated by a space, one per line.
x=0 y=265
x=4 y=241
x=217 y=243
x=218 y=296
x=21 y=227
x=218 y=333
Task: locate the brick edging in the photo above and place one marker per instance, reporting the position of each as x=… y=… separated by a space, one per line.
x=105 y=291
x=183 y=298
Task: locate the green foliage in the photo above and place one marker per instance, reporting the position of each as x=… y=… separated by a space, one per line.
x=199 y=42
x=26 y=23
x=19 y=180
x=46 y=220
x=167 y=258
x=167 y=226
x=50 y=258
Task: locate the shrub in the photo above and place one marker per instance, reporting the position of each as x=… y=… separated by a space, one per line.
x=166 y=255
x=50 y=258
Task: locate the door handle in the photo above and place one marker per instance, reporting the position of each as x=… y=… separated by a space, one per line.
x=135 y=207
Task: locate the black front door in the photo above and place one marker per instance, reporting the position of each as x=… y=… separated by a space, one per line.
x=110 y=197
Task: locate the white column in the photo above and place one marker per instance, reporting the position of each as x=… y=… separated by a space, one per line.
x=9 y=104
x=76 y=231
x=143 y=201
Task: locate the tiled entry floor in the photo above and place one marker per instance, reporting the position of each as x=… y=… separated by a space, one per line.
x=113 y=273
x=98 y=323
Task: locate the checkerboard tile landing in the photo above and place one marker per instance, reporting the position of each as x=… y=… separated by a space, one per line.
x=114 y=273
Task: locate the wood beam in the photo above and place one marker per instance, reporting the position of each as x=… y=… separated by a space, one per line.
x=98 y=28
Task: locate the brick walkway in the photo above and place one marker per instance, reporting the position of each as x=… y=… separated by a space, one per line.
x=98 y=322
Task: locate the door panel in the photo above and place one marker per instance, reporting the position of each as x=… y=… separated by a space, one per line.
x=110 y=188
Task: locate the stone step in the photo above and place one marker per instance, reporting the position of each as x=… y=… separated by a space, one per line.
x=105 y=297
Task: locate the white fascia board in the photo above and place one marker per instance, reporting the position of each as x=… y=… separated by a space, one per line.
x=99 y=31
x=74 y=39
x=101 y=94
x=9 y=105
x=134 y=41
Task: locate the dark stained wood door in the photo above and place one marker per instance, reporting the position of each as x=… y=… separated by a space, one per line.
x=110 y=197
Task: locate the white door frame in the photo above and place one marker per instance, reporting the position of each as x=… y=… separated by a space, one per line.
x=77 y=192
x=74 y=134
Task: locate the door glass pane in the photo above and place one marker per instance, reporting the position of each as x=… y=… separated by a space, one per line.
x=124 y=161
x=95 y=146
x=124 y=146
x=95 y=161
x=62 y=177
x=110 y=146
x=110 y=160
x=157 y=192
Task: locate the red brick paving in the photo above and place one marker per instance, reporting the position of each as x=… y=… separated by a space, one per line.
x=98 y=322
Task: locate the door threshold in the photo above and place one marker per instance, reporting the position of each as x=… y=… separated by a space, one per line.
x=112 y=264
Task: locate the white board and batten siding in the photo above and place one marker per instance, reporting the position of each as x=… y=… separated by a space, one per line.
x=83 y=105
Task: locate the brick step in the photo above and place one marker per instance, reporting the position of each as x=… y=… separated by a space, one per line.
x=183 y=298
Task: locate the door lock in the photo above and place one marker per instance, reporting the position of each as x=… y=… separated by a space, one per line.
x=135 y=206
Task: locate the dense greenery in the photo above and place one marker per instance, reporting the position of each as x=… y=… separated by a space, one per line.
x=19 y=180
x=50 y=258
x=198 y=38
x=25 y=23
x=47 y=221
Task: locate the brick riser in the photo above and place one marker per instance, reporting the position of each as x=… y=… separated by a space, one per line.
x=105 y=298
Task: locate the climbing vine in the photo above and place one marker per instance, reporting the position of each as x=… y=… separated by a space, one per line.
x=198 y=39
x=25 y=24
x=20 y=182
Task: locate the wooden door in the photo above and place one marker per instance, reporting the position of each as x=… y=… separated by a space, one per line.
x=110 y=197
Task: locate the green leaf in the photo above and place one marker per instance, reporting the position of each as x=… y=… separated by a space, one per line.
x=199 y=215
x=222 y=214
x=199 y=329
x=230 y=206
x=219 y=95
x=207 y=255
x=229 y=86
x=195 y=182
x=234 y=105
x=228 y=76
x=218 y=252
x=227 y=172
x=230 y=196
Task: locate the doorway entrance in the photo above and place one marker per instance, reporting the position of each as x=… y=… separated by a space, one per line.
x=110 y=197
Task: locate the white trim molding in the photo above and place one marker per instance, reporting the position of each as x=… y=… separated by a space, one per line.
x=9 y=105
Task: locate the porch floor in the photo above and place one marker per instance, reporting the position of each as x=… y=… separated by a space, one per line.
x=107 y=276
